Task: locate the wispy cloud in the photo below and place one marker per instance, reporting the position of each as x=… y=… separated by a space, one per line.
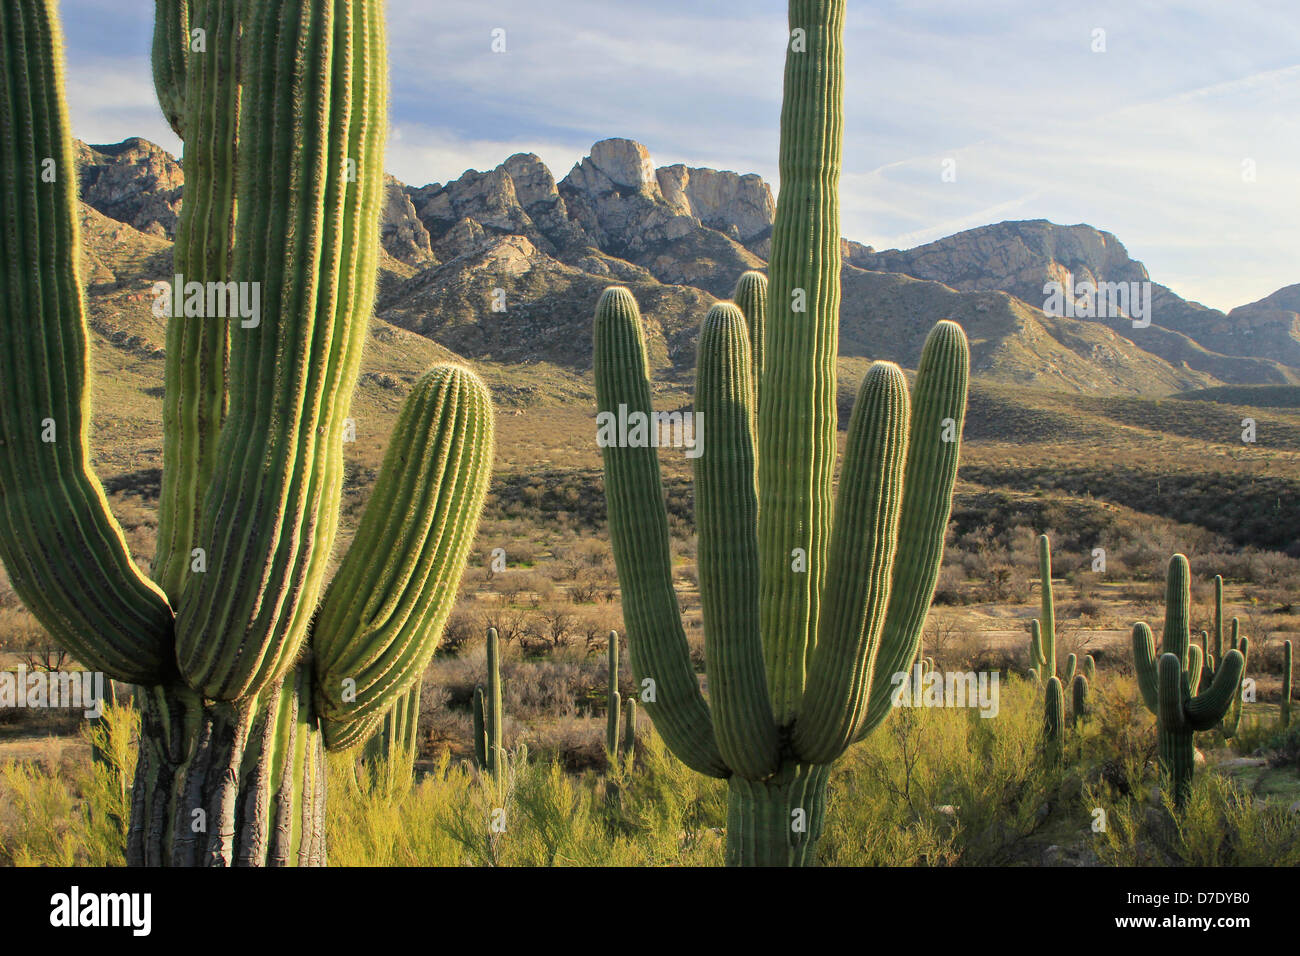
x=1147 y=138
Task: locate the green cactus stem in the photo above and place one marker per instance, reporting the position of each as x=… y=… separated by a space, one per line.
x=1079 y=698
x=1165 y=682
x=810 y=605
x=612 y=698
x=1071 y=665
x=482 y=748
x=284 y=115
x=1054 y=721
x=1286 y=684
x=393 y=749
x=1090 y=668
x=629 y=730
x=1232 y=719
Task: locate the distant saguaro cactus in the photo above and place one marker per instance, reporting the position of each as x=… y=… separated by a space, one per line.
x=1166 y=683
x=810 y=607
x=488 y=749
x=247 y=673
x=1286 y=684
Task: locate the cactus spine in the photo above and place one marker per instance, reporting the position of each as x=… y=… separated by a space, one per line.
x=1165 y=682
x=806 y=618
x=284 y=116
x=487 y=712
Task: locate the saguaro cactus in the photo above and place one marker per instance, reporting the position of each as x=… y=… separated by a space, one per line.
x=806 y=620
x=612 y=698
x=392 y=750
x=1042 y=631
x=1167 y=683
x=1054 y=721
x=487 y=712
x=1286 y=684
x=283 y=108
x=1079 y=698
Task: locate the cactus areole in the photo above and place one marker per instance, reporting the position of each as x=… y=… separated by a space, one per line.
x=249 y=668
x=810 y=605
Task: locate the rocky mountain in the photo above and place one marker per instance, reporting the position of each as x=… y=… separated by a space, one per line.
x=506 y=265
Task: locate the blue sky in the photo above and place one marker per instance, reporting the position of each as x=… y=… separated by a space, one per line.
x=1182 y=137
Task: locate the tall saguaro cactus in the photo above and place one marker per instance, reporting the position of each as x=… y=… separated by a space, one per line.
x=808 y=610
x=1169 y=683
x=1042 y=632
x=283 y=109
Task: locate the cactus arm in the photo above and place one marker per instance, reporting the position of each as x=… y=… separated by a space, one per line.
x=1206 y=709
x=1071 y=664
x=1089 y=668
x=930 y=476
x=629 y=729
x=726 y=511
x=171 y=34
x=194 y=400
x=66 y=555
x=797 y=424
x=383 y=614
x=1144 y=666
x=1232 y=719
x=1079 y=697
x=751 y=298
x=1036 y=644
x=1218 y=617
x=1195 y=661
x=1047 y=604
x=860 y=564
x=638 y=530
x=307 y=231
x=612 y=698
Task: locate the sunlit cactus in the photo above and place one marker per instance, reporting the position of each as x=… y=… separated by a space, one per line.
x=1165 y=682
x=246 y=675
x=810 y=605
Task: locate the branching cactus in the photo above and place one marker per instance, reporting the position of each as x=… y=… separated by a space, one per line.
x=283 y=109
x=1042 y=631
x=1167 y=683
x=810 y=606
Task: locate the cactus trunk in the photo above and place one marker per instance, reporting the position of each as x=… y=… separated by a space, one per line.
x=243 y=684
